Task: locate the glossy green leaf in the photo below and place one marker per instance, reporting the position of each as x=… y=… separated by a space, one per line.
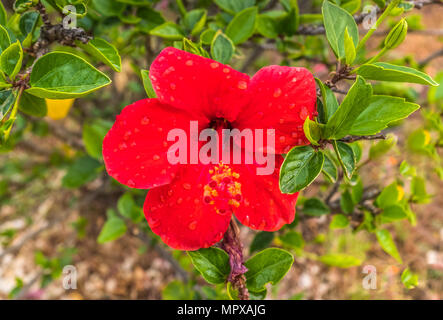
x=383 y=71
x=233 y=293
x=312 y=131
x=330 y=102
x=11 y=59
x=32 y=105
x=340 y=260
x=300 y=168
x=177 y=290
x=61 y=75
x=339 y=221
x=212 y=263
x=7 y=99
x=387 y=243
x=418 y=190
x=149 y=19
x=381 y=111
x=355 y=102
x=103 y=51
x=222 y=48
x=267 y=266
x=267 y=26
x=346 y=202
x=195 y=21
x=349 y=48
x=5 y=41
x=3 y=14
x=346 y=157
x=242 y=26
x=329 y=169
x=336 y=20
x=389 y=196
x=113 y=229
x=109 y=8
x=169 y=31
x=28 y=22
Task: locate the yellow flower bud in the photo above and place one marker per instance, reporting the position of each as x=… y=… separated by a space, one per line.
x=396 y=35
x=58 y=109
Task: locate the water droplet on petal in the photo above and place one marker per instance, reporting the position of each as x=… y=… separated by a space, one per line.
x=242 y=85
x=192 y=225
x=189 y=63
x=214 y=65
x=186 y=186
x=145 y=121
x=130 y=184
x=282 y=139
x=282 y=121
x=156 y=157
x=122 y=146
x=226 y=70
x=179 y=200
x=173 y=86
x=277 y=93
x=304 y=113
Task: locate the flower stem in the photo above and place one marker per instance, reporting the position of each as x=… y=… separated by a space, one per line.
x=232 y=245
x=391 y=6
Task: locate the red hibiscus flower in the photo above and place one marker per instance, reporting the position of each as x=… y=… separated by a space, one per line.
x=190 y=205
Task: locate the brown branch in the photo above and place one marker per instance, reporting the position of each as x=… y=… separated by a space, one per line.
x=351 y=139
x=232 y=245
x=428 y=59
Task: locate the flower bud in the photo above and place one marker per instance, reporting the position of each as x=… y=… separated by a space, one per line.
x=396 y=35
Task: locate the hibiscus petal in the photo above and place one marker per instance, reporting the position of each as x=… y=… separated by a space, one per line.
x=179 y=214
x=263 y=206
x=135 y=149
x=199 y=85
x=281 y=99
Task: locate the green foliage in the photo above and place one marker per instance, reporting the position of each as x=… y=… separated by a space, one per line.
x=113 y=229
x=212 y=263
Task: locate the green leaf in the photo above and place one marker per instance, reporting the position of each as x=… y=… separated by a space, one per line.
x=329 y=169
x=103 y=51
x=267 y=266
x=3 y=15
x=409 y=279
x=339 y=221
x=388 y=244
x=212 y=263
x=293 y=239
x=109 y=8
x=346 y=157
x=222 y=48
x=349 y=48
x=28 y=22
x=393 y=213
x=7 y=99
x=350 y=109
x=340 y=260
x=113 y=229
x=242 y=26
x=147 y=84
x=389 y=196
x=11 y=59
x=267 y=26
x=128 y=209
x=336 y=20
x=329 y=100
x=149 y=19
x=381 y=111
x=83 y=170
x=235 y=6
x=383 y=71
x=351 y=6
x=195 y=21
x=300 y=168
x=93 y=135
x=169 y=31
x=418 y=190
x=312 y=131
x=5 y=41
x=207 y=36
x=62 y=75
x=381 y=147
x=32 y=105
x=261 y=241
x=315 y=207
x=346 y=202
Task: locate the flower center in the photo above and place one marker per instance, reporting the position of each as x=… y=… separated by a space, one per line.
x=223 y=190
